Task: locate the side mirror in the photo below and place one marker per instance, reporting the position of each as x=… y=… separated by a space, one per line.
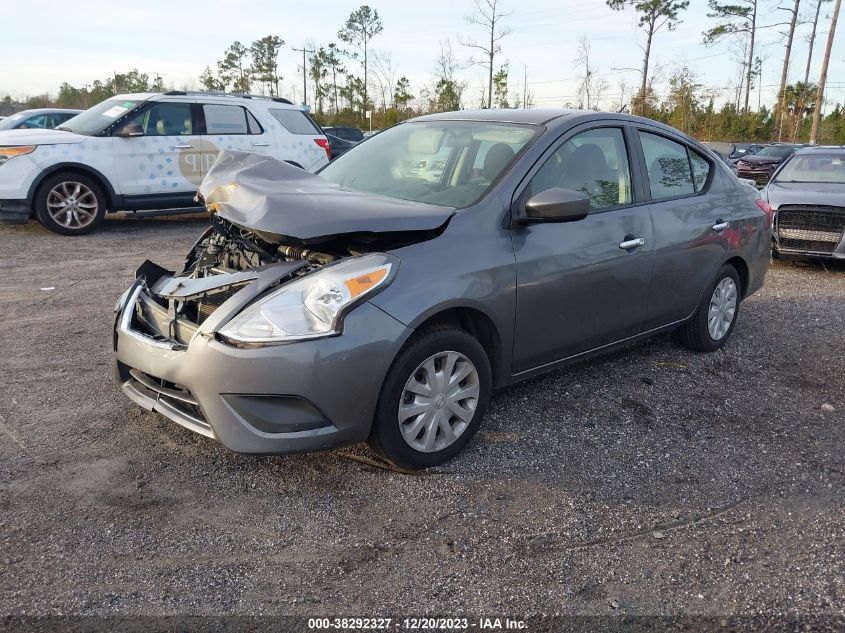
x=129 y=130
x=557 y=205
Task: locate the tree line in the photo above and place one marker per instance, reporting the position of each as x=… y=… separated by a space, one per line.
x=347 y=78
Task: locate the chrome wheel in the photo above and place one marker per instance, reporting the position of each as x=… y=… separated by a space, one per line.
x=722 y=309
x=72 y=204
x=438 y=401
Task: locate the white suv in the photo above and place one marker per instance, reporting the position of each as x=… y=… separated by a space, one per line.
x=143 y=151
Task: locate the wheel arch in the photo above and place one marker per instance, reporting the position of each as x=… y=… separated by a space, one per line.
x=479 y=325
x=741 y=267
x=79 y=168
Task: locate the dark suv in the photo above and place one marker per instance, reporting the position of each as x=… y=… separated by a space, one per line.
x=763 y=164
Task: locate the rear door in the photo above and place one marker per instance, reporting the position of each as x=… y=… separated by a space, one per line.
x=232 y=127
x=583 y=284
x=691 y=219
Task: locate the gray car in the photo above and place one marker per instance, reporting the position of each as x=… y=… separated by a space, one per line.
x=370 y=303
x=807 y=196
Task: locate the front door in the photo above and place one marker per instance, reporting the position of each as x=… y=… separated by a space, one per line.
x=582 y=284
x=166 y=158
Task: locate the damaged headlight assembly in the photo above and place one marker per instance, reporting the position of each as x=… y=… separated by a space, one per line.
x=313 y=305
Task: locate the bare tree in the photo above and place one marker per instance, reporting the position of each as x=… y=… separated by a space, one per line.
x=621 y=103
x=811 y=41
x=585 y=79
x=447 y=91
x=793 y=20
x=590 y=88
x=487 y=14
x=653 y=16
x=385 y=71
x=823 y=74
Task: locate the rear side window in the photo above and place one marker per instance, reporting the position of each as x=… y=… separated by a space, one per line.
x=295 y=121
x=700 y=169
x=669 y=171
x=228 y=119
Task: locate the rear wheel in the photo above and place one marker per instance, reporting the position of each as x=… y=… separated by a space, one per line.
x=714 y=320
x=433 y=399
x=70 y=204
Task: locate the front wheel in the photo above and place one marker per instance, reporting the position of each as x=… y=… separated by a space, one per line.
x=432 y=400
x=70 y=204
x=713 y=322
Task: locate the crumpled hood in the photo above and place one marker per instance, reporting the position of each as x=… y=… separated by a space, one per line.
x=38 y=137
x=759 y=161
x=267 y=195
x=822 y=194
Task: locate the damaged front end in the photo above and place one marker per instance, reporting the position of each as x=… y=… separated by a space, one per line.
x=276 y=266
x=272 y=223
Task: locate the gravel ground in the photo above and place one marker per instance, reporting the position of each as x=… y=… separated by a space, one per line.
x=650 y=481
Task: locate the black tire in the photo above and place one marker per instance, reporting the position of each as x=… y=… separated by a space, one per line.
x=386 y=437
x=695 y=334
x=71 y=180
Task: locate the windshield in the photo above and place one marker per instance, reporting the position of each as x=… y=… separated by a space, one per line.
x=96 y=119
x=11 y=121
x=448 y=163
x=814 y=168
x=776 y=151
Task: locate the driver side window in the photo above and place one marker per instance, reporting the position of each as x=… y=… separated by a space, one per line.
x=595 y=163
x=165 y=119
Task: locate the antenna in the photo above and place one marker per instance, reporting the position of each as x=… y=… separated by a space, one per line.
x=304 y=50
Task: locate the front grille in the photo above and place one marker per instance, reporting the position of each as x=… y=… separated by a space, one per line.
x=810 y=229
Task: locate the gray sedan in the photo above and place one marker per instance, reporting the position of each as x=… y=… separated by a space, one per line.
x=377 y=301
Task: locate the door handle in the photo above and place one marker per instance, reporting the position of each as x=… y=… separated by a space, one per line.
x=182 y=146
x=632 y=243
x=261 y=144
x=720 y=225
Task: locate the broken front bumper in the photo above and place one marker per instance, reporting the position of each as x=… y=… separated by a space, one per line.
x=302 y=396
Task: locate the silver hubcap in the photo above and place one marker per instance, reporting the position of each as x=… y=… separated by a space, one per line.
x=722 y=309
x=438 y=401
x=72 y=204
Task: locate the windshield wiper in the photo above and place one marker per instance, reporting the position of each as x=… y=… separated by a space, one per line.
x=63 y=128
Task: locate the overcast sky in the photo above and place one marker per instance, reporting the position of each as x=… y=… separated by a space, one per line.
x=43 y=43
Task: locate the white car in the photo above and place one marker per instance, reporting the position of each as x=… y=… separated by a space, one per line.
x=143 y=151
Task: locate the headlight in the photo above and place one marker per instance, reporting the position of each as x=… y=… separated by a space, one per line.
x=8 y=152
x=311 y=306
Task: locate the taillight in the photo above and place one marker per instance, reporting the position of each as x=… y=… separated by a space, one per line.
x=766 y=208
x=324 y=143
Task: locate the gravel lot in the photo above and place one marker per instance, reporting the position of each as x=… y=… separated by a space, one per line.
x=650 y=481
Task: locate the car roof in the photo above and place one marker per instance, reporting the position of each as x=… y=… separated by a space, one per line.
x=821 y=149
x=46 y=111
x=550 y=116
x=534 y=116
x=221 y=97
x=541 y=116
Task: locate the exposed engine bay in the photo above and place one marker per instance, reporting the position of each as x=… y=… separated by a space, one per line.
x=226 y=258
x=227 y=248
